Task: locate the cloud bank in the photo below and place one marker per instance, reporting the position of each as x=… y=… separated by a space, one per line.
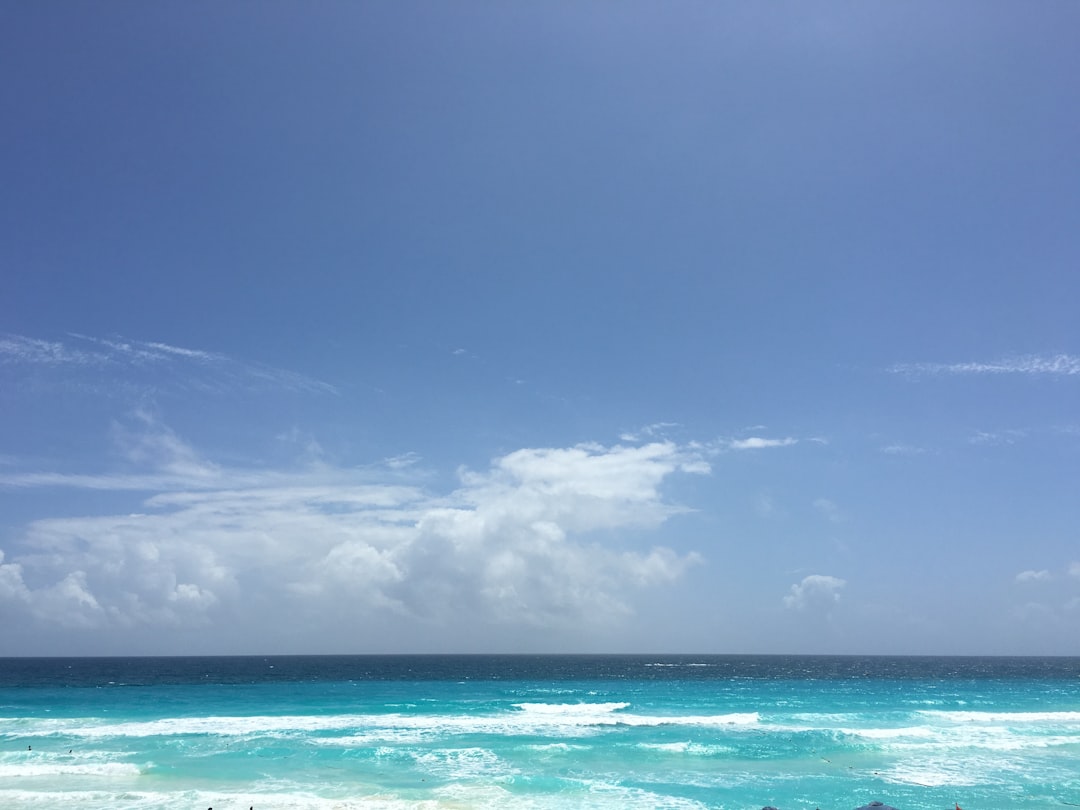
x=537 y=540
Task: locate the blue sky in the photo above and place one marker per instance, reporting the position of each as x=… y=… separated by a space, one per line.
x=715 y=327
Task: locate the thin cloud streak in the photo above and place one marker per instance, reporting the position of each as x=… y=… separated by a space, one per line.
x=1058 y=365
x=199 y=369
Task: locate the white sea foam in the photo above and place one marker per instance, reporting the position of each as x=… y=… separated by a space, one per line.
x=44 y=767
x=572 y=709
x=954 y=740
x=527 y=718
x=603 y=714
x=454 y=796
x=588 y=796
x=557 y=747
x=908 y=732
x=465 y=763
x=825 y=719
x=931 y=774
x=185 y=800
x=674 y=665
x=1056 y=718
x=375 y=738
x=687 y=747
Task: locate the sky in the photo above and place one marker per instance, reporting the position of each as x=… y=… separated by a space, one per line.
x=713 y=327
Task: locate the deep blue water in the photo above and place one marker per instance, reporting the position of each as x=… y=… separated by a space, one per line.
x=540 y=732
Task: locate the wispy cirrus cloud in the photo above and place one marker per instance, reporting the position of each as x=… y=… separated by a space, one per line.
x=118 y=350
x=33 y=351
x=1057 y=365
x=154 y=458
x=193 y=368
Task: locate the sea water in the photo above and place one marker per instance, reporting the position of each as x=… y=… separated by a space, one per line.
x=539 y=732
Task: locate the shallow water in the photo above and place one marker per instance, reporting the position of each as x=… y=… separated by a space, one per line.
x=539 y=732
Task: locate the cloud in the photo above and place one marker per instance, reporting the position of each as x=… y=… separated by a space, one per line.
x=1009 y=436
x=119 y=350
x=758 y=443
x=829 y=510
x=1074 y=569
x=533 y=540
x=817 y=591
x=152 y=444
x=902 y=450
x=118 y=482
x=765 y=505
x=167 y=365
x=655 y=430
x=307 y=445
x=12 y=587
x=1035 y=365
x=66 y=603
x=1033 y=576
x=17 y=349
x=403 y=461
x=162 y=459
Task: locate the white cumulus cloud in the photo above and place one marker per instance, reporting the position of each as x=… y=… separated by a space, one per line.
x=814 y=592
x=531 y=541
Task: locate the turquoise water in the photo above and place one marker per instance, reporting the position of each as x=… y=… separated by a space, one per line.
x=539 y=732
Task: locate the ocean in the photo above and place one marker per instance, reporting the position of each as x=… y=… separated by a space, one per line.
x=539 y=732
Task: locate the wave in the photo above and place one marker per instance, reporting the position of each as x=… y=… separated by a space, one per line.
x=53 y=768
x=186 y=799
x=932 y=775
x=611 y=714
x=557 y=747
x=570 y=709
x=673 y=665
x=687 y=747
x=1060 y=718
x=526 y=718
x=590 y=796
